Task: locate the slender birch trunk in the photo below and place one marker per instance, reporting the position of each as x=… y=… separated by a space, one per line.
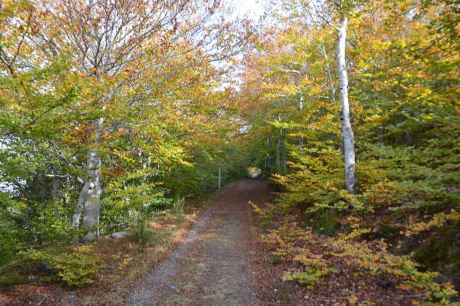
x=347 y=131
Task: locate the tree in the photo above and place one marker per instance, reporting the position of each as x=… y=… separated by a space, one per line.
x=115 y=43
x=312 y=15
x=347 y=130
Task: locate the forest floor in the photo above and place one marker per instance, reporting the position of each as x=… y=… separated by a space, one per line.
x=220 y=257
x=211 y=264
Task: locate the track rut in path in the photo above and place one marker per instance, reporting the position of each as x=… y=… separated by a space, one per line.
x=212 y=266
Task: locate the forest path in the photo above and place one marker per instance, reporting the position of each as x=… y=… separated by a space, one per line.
x=212 y=266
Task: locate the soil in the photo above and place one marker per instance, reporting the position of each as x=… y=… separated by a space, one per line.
x=213 y=265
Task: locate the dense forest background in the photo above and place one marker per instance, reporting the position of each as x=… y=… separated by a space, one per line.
x=114 y=110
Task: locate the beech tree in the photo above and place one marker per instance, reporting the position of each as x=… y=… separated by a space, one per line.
x=111 y=43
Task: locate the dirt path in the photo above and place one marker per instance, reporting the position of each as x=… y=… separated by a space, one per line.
x=212 y=266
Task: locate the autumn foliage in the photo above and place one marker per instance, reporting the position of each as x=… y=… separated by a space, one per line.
x=114 y=111
x=403 y=69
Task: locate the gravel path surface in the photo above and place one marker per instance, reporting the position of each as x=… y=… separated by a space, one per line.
x=212 y=266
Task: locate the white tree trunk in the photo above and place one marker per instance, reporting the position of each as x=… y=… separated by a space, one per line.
x=89 y=200
x=347 y=131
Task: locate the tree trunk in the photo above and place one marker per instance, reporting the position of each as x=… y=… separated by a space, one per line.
x=278 y=152
x=89 y=200
x=301 y=105
x=283 y=152
x=347 y=131
x=329 y=74
x=219 y=179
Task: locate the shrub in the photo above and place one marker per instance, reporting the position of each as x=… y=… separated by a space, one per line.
x=76 y=268
x=314 y=270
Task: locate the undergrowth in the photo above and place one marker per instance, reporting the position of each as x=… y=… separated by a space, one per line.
x=73 y=267
x=311 y=258
x=107 y=260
